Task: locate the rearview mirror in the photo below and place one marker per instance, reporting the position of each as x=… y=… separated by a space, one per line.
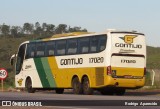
x=12 y=59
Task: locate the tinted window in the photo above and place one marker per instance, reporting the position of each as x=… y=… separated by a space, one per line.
x=31 y=48
x=20 y=58
x=83 y=44
x=61 y=47
x=94 y=44
x=102 y=42
x=72 y=46
x=40 y=49
x=91 y=44
x=50 y=48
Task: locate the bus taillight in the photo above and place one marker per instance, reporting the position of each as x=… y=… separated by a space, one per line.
x=109 y=70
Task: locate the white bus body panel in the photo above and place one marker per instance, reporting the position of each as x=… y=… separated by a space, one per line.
x=31 y=72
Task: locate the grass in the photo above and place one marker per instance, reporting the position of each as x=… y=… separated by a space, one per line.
x=148 y=80
x=153 y=57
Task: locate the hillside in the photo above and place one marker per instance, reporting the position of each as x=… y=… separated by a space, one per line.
x=153 y=57
x=8 y=46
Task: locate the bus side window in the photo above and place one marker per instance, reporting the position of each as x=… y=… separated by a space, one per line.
x=31 y=48
x=40 y=48
x=61 y=47
x=50 y=48
x=83 y=44
x=94 y=44
x=72 y=46
x=102 y=43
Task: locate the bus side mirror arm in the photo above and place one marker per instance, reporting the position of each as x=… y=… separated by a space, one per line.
x=12 y=59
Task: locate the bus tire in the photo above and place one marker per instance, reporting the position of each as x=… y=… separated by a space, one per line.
x=59 y=90
x=28 y=86
x=76 y=85
x=86 y=86
x=120 y=91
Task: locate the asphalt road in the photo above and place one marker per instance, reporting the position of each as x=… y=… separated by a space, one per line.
x=71 y=101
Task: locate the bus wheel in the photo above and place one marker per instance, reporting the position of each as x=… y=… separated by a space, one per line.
x=86 y=87
x=76 y=85
x=120 y=91
x=28 y=86
x=59 y=90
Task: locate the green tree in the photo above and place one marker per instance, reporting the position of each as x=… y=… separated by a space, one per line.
x=44 y=27
x=28 y=28
x=20 y=30
x=61 y=28
x=14 y=31
x=84 y=30
x=38 y=29
x=5 y=29
x=50 y=29
x=37 y=25
x=76 y=29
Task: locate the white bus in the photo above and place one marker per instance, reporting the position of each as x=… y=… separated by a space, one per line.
x=109 y=62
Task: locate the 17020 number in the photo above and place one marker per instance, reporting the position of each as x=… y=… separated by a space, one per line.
x=96 y=60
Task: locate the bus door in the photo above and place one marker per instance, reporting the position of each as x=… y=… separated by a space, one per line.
x=128 y=57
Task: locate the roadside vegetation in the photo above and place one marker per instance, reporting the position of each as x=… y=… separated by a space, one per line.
x=153 y=57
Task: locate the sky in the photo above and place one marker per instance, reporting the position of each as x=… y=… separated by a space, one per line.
x=94 y=15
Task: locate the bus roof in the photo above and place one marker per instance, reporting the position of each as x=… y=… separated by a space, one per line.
x=125 y=32
x=83 y=33
x=70 y=34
